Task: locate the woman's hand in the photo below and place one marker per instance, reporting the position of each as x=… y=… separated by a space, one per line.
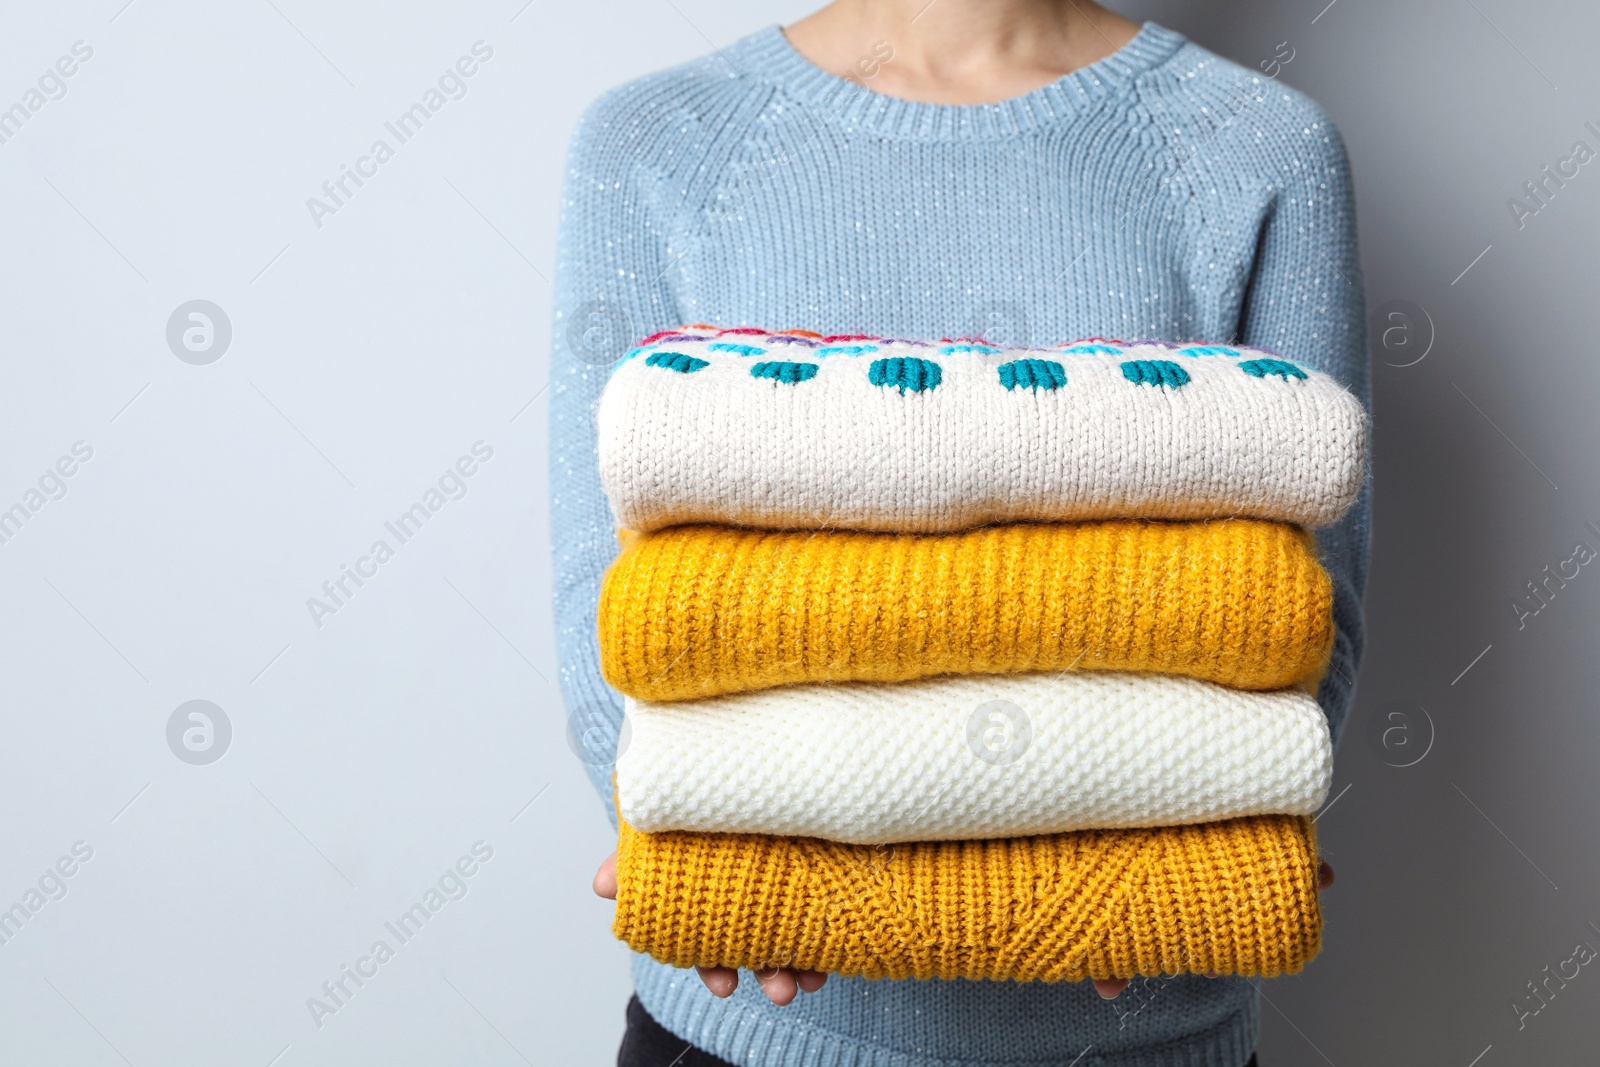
x=781 y=984
x=1110 y=987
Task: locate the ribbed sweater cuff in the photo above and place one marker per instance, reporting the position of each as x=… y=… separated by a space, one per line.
x=755 y=1035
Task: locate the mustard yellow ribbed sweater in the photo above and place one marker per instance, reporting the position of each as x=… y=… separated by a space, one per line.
x=1233 y=897
x=699 y=611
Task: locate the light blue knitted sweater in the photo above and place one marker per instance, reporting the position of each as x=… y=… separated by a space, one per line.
x=1160 y=193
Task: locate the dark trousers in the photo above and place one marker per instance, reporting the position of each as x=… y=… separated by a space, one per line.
x=648 y=1044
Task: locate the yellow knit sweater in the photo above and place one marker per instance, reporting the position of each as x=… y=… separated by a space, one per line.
x=1233 y=897
x=699 y=611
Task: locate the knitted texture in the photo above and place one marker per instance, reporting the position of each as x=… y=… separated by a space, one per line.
x=700 y=611
x=922 y=437
x=1234 y=897
x=1163 y=192
x=974 y=757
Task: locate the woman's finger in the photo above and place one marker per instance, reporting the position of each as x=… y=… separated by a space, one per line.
x=722 y=981
x=605 y=879
x=1110 y=987
x=778 y=984
x=1324 y=874
x=810 y=981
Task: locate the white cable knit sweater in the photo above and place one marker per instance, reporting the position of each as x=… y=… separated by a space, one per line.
x=787 y=431
x=973 y=757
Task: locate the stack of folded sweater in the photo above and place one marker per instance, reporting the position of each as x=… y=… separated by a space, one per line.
x=947 y=660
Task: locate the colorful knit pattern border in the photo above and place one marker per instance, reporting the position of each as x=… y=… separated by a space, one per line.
x=980 y=756
x=799 y=431
x=1236 y=897
x=700 y=611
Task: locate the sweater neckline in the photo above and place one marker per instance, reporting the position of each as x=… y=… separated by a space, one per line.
x=767 y=55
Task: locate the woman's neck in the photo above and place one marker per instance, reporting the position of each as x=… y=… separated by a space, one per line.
x=958 y=51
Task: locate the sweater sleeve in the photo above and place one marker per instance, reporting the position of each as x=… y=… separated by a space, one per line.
x=609 y=291
x=1305 y=302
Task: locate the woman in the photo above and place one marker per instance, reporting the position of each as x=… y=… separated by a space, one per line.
x=1033 y=171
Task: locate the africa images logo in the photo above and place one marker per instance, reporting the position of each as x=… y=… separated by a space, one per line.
x=199 y=732
x=199 y=332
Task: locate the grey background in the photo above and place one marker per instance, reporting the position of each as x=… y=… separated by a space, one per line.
x=367 y=355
